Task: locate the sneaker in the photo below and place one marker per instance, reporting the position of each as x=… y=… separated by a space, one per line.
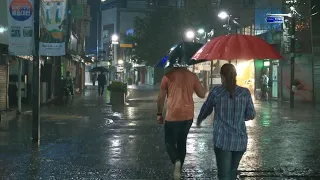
x=177 y=170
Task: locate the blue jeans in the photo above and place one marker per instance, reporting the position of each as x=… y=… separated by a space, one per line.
x=227 y=162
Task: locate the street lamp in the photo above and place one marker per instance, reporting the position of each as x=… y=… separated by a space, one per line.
x=190 y=35
x=114 y=39
x=224 y=15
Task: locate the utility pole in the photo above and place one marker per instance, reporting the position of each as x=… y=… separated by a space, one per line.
x=293 y=51
x=98 y=16
x=36 y=76
x=19 y=84
x=293 y=15
x=229 y=30
x=229 y=25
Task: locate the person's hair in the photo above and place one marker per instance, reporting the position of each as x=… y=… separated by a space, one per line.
x=230 y=74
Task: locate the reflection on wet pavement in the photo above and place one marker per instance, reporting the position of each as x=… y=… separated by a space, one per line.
x=90 y=139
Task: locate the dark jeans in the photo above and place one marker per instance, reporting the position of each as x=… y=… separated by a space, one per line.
x=176 y=139
x=100 y=89
x=264 y=91
x=227 y=162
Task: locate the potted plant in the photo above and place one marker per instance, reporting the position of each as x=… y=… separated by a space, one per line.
x=130 y=81
x=118 y=92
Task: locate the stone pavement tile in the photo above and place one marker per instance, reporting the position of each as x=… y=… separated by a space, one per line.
x=89 y=139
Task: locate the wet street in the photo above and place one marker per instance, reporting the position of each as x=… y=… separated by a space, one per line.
x=89 y=139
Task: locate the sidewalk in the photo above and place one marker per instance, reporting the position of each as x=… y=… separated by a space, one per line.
x=89 y=139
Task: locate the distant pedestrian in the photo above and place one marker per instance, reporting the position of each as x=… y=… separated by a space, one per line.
x=102 y=81
x=233 y=106
x=94 y=78
x=178 y=87
x=264 y=85
x=69 y=82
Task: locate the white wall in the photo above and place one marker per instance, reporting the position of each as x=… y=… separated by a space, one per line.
x=3 y=22
x=109 y=16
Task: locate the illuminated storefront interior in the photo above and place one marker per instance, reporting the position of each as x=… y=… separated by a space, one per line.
x=245 y=72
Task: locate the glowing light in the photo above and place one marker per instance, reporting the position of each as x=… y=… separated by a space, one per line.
x=132 y=124
x=190 y=34
x=120 y=61
x=2 y=29
x=266 y=63
x=223 y=15
x=115 y=38
x=201 y=31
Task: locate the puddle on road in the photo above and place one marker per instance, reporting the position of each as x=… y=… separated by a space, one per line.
x=60 y=123
x=108 y=121
x=49 y=117
x=116 y=114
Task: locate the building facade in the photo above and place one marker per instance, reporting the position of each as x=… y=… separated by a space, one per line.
x=4 y=68
x=53 y=69
x=117 y=18
x=315 y=34
x=307 y=51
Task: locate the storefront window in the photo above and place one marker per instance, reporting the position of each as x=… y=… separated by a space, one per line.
x=245 y=73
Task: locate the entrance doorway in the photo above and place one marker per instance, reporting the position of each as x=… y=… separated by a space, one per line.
x=274 y=79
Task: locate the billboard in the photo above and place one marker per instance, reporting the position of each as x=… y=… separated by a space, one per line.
x=53 y=25
x=20 y=26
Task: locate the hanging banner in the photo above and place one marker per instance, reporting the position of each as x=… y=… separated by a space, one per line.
x=20 y=22
x=53 y=24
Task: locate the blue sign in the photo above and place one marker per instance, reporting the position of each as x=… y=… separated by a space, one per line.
x=275 y=19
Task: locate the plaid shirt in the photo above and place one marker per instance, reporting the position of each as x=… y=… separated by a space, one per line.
x=229 y=128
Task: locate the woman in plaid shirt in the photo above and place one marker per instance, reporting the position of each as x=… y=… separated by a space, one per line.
x=233 y=106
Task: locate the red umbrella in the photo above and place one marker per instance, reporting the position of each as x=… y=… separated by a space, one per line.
x=233 y=47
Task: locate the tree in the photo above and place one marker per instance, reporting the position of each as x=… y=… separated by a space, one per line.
x=199 y=13
x=164 y=27
x=157 y=32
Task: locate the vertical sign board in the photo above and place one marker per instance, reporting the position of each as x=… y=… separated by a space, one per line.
x=85 y=28
x=53 y=26
x=20 y=21
x=86 y=12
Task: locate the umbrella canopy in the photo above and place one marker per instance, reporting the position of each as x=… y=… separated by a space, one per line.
x=180 y=55
x=99 y=69
x=235 y=47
